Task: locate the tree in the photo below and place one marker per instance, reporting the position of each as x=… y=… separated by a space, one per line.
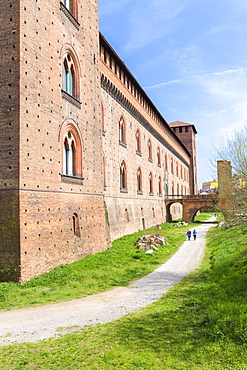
x=235 y=151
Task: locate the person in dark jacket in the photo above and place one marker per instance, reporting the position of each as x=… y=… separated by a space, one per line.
x=188 y=234
x=194 y=234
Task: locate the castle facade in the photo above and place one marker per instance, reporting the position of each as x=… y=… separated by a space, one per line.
x=85 y=155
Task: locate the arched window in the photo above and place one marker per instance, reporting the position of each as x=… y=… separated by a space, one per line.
x=123 y=176
x=70 y=72
x=166 y=189
x=122 y=130
x=166 y=163
x=139 y=180
x=172 y=188
x=151 y=183
x=177 y=168
x=69 y=155
x=177 y=189
x=102 y=117
x=150 y=155
x=172 y=169
x=76 y=226
x=160 y=186
x=72 y=149
x=158 y=156
x=138 y=141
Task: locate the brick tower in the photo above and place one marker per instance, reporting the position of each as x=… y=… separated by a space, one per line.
x=51 y=184
x=186 y=133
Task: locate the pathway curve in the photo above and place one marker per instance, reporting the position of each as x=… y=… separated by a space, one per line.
x=36 y=323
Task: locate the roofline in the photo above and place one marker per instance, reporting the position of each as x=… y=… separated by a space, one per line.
x=133 y=79
x=181 y=124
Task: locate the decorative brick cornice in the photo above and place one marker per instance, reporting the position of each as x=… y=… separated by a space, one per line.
x=71 y=99
x=72 y=179
x=121 y=99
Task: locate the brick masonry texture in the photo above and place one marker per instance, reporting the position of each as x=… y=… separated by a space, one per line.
x=39 y=204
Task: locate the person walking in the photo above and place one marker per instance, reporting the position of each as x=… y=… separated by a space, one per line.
x=194 y=234
x=188 y=234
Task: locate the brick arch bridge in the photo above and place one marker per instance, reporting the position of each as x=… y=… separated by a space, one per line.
x=191 y=204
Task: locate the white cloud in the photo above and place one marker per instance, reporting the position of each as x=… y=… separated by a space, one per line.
x=199 y=78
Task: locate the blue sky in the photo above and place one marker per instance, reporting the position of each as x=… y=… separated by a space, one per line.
x=190 y=56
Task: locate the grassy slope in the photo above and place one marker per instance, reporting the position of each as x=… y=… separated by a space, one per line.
x=117 y=266
x=200 y=324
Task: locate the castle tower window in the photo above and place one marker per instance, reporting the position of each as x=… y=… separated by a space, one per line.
x=71 y=142
x=71 y=74
x=69 y=155
x=68 y=78
x=123 y=176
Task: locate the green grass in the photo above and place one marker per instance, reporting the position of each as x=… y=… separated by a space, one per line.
x=116 y=266
x=200 y=324
x=203 y=217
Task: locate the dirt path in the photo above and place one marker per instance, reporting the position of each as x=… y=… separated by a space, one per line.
x=37 y=323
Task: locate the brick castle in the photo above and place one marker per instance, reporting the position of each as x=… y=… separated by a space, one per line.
x=86 y=157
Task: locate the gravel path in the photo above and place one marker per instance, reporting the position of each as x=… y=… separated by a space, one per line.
x=36 y=323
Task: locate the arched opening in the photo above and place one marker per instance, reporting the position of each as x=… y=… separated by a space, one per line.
x=174 y=210
x=76 y=226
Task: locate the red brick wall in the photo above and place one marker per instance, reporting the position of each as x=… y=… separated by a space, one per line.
x=46 y=201
x=131 y=210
